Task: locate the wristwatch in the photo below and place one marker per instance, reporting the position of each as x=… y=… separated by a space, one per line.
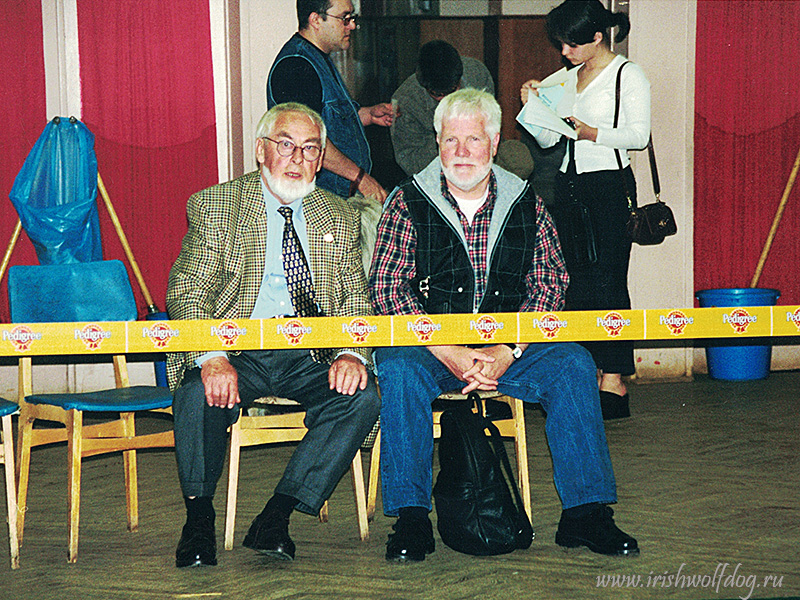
x=516 y=351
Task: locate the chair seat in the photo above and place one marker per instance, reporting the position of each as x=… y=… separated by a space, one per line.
x=7 y=407
x=127 y=399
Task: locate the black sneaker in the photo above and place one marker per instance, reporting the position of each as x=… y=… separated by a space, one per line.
x=411 y=541
x=598 y=532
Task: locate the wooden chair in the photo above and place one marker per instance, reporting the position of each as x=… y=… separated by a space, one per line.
x=513 y=427
x=81 y=292
x=286 y=426
x=7 y=459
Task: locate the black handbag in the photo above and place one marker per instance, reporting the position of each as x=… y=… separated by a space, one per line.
x=574 y=222
x=478 y=505
x=647 y=225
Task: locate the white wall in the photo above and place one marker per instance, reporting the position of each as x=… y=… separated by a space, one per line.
x=265 y=27
x=662 y=43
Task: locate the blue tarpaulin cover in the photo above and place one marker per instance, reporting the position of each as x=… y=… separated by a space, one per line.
x=55 y=194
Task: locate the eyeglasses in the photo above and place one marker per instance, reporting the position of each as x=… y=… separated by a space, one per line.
x=286 y=148
x=439 y=95
x=346 y=19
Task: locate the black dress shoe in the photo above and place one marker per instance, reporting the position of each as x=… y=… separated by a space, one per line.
x=198 y=544
x=269 y=534
x=614 y=406
x=598 y=532
x=411 y=541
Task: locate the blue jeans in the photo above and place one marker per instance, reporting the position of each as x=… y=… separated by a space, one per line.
x=561 y=377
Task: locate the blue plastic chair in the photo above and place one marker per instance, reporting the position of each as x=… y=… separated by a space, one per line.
x=81 y=292
x=7 y=459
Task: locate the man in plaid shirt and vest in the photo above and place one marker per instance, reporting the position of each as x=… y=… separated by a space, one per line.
x=464 y=236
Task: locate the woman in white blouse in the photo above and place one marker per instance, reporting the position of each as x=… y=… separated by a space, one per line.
x=581 y=30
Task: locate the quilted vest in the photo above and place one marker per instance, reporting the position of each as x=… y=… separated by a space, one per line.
x=445 y=279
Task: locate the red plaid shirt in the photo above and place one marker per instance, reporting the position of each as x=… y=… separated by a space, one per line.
x=393 y=265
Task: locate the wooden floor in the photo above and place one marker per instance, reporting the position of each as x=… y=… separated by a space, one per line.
x=708 y=477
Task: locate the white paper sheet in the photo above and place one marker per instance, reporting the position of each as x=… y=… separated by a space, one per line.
x=535 y=115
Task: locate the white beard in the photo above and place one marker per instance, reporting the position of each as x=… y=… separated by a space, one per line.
x=288 y=191
x=463 y=183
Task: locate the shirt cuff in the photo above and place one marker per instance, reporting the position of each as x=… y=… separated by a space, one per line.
x=208 y=355
x=351 y=353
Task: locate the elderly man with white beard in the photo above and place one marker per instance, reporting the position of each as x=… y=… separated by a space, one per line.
x=269 y=244
x=464 y=236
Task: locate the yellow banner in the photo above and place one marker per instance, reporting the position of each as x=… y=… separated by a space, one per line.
x=407 y=330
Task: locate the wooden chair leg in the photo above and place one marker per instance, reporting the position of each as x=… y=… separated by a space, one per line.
x=74 y=450
x=24 y=439
x=233 y=483
x=323 y=513
x=374 y=477
x=11 y=495
x=131 y=473
x=521 y=447
x=357 y=473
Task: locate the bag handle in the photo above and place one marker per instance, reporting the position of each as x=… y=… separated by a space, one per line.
x=651 y=152
x=500 y=451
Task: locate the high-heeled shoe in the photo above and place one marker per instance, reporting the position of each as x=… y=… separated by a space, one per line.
x=614 y=406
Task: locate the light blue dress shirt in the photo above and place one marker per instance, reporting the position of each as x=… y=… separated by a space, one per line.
x=273 y=297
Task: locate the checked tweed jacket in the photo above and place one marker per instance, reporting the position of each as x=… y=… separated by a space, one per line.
x=219 y=270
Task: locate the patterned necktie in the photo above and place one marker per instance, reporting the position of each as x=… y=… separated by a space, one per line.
x=295 y=267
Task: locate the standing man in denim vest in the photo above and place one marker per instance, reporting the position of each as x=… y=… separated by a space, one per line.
x=465 y=236
x=303 y=72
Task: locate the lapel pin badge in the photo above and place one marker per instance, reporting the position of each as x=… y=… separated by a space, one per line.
x=328 y=237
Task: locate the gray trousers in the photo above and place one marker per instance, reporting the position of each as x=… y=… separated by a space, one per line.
x=337 y=424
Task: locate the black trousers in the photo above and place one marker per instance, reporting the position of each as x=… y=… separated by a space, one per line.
x=337 y=424
x=604 y=285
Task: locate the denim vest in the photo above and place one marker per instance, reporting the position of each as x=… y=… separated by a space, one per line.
x=339 y=112
x=445 y=279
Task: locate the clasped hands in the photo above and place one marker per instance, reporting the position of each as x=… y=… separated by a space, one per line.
x=221 y=382
x=479 y=368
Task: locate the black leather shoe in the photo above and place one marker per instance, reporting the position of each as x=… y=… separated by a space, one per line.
x=598 y=532
x=614 y=406
x=198 y=544
x=411 y=540
x=269 y=534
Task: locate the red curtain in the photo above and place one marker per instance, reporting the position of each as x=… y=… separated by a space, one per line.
x=747 y=136
x=148 y=97
x=23 y=97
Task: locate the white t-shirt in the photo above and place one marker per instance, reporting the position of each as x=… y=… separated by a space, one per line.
x=470 y=207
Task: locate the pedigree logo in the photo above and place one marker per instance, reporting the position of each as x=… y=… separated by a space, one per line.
x=293 y=331
x=486 y=326
x=359 y=329
x=160 y=334
x=549 y=325
x=794 y=317
x=739 y=319
x=21 y=337
x=676 y=321
x=92 y=336
x=613 y=323
x=423 y=328
x=228 y=332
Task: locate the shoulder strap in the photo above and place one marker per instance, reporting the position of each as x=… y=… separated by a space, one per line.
x=650 y=149
x=616 y=109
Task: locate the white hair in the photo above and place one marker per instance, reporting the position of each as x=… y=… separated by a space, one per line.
x=469 y=102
